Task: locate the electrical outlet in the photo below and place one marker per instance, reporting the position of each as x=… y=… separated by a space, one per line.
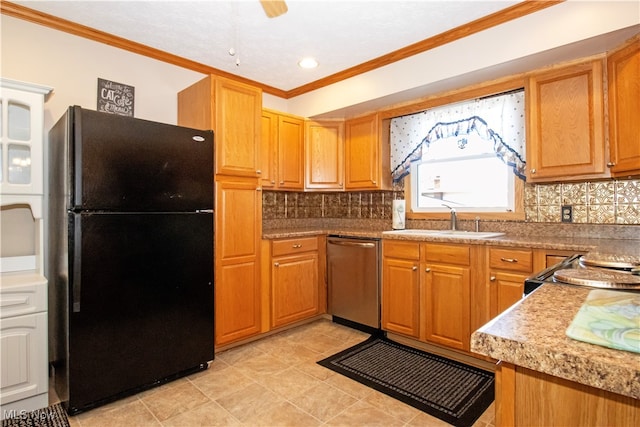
x=566 y=212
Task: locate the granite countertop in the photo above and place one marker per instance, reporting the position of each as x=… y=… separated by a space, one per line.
x=532 y=334
x=578 y=244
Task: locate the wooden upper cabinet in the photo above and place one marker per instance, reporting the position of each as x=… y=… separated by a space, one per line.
x=282 y=146
x=363 y=154
x=624 y=109
x=324 y=155
x=565 y=123
x=233 y=111
x=290 y=152
x=269 y=149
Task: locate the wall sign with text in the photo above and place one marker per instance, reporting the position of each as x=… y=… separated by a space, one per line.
x=115 y=98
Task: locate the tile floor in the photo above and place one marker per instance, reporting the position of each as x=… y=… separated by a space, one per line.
x=271 y=382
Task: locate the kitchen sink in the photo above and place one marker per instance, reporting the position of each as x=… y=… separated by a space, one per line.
x=460 y=234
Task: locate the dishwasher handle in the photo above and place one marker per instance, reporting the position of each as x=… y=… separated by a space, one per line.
x=351 y=243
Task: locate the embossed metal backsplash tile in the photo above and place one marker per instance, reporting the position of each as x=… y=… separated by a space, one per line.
x=600 y=202
x=349 y=205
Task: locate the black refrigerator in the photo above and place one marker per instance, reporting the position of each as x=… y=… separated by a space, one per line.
x=130 y=259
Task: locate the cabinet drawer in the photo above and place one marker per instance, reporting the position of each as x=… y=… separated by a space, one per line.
x=22 y=294
x=404 y=250
x=294 y=246
x=511 y=259
x=449 y=254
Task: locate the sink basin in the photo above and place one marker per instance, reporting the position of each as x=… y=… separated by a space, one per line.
x=460 y=234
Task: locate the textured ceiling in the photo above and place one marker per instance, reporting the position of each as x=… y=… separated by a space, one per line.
x=340 y=34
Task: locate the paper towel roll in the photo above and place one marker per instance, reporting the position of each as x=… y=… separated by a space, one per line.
x=398 y=215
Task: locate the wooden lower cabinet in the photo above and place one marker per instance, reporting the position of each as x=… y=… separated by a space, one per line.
x=426 y=291
x=294 y=280
x=508 y=269
x=446 y=305
x=237 y=259
x=401 y=296
x=529 y=398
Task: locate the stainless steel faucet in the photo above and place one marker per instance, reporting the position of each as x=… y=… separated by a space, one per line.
x=454 y=217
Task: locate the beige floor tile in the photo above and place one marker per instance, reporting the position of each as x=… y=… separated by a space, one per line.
x=324 y=401
x=124 y=413
x=363 y=414
x=289 y=383
x=426 y=420
x=222 y=382
x=261 y=365
x=274 y=381
x=250 y=402
x=391 y=406
x=349 y=386
x=210 y=414
x=315 y=370
x=284 y=414
x=173 y=398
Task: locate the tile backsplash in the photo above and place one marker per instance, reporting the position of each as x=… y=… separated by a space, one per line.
x=598 y=202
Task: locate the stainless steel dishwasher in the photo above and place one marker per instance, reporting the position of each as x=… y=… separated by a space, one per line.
x=353 y=270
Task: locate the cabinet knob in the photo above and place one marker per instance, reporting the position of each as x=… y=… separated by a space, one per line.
x=374 y=182
x=258 y=171
x=610 y=164
x=273 y=181
x=281 y=182
x=428 y=270
x=533 y=170
x=276 y=264
x=492 y=278
x=259 y=189
x=414 y=268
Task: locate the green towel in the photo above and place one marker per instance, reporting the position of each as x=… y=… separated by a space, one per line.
x=610 y=319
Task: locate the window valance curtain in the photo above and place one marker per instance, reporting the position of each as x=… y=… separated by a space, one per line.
x=499 y=120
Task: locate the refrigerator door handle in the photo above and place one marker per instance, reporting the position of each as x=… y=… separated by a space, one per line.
x=204 y=211
x=77 y=268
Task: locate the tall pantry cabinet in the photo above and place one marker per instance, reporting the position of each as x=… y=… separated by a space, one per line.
x=233 y=111
x=23 y=287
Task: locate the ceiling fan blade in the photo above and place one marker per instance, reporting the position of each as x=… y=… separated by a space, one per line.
x=274 y=8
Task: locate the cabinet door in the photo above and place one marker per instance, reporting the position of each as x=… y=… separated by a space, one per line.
x=290 y=152
x=624 y=105
x=233 y=111
x=324 y=155
x=238 y=110
x=269 y=149
x=505 y=290
x=446 y=305
x=23 y=347
x=294 y=288
x=362 y=153
x=237 y=263
x=401 y=296
x=21 y=136
x=565 y=123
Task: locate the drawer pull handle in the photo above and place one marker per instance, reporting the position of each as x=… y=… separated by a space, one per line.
x=297 y=245
x=508 y=259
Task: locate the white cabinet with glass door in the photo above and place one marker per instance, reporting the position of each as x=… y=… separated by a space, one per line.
x=21 y=137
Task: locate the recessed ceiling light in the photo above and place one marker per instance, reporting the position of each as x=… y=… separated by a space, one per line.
x=308 y=63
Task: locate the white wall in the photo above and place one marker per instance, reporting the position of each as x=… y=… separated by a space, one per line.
x=72 y=65
x=542 y=33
